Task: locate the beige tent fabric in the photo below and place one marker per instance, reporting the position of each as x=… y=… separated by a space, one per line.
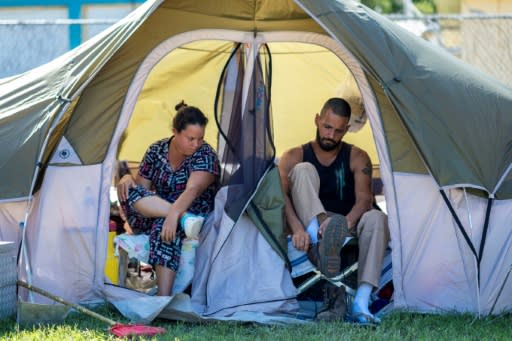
x=293 y=76
x=437 y=123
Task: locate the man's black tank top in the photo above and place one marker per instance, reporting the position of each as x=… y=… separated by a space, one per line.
x=337 y=190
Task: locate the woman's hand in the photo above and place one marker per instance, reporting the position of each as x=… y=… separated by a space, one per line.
x=170 y=226
x=125 y=183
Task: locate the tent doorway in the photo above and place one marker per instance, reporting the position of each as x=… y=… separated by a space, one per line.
x=307 y=69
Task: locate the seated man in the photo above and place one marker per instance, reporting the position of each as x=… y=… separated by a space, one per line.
x=327 y=183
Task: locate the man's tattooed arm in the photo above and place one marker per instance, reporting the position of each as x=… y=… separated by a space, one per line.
x=367 y=170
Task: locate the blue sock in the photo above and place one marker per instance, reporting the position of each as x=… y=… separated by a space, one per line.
x=312 y=230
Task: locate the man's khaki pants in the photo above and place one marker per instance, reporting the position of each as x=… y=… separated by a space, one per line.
x=371 y=230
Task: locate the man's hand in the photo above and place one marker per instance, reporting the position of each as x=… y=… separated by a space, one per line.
x=125 y=183
x=301 y=241
x=170 y=226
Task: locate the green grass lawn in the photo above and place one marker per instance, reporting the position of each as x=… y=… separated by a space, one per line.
x=395 y=326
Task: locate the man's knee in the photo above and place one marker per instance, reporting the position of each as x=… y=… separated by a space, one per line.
x=376 y=217
x=303 y=170
x=375 y=220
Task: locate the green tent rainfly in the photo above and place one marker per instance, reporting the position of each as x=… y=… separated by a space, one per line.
x=441 y=128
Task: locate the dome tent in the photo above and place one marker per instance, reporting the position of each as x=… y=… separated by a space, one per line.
x=440 y=127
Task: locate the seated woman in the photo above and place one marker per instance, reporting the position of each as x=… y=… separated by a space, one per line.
x=177 y=175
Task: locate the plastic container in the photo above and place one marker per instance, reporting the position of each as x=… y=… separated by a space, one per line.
x=112 y=262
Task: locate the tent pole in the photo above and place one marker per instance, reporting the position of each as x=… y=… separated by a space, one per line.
x=459 y=225
x=267 y=106
x=478 y=256
x=30 y=198
x=482 y=244
x=468 y=241
x=486 y=227
x=476 y=265
x=501 y=289
x=217 y=98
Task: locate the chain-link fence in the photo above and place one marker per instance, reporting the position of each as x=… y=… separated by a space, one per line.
x=481 y=40
x=26 y=44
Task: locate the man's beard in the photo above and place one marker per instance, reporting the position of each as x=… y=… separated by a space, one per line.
x=331 y=145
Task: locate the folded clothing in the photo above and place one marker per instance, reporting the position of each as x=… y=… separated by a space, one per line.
x=137 y=246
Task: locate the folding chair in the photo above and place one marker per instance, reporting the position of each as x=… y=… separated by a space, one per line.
x=381 y=299
x=302 y=266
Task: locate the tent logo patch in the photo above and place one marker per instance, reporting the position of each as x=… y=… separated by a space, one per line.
x=64 y=153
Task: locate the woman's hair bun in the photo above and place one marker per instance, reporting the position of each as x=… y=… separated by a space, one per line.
x=180 y=105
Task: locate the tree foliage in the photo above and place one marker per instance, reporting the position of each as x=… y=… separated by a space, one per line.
x=426 y=6
x=384 y=6
x=396 y=6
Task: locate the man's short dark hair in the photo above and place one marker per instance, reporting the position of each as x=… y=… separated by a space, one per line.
x=338 y=106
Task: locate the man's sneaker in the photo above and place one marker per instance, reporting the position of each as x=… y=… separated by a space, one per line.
x=330 y=245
